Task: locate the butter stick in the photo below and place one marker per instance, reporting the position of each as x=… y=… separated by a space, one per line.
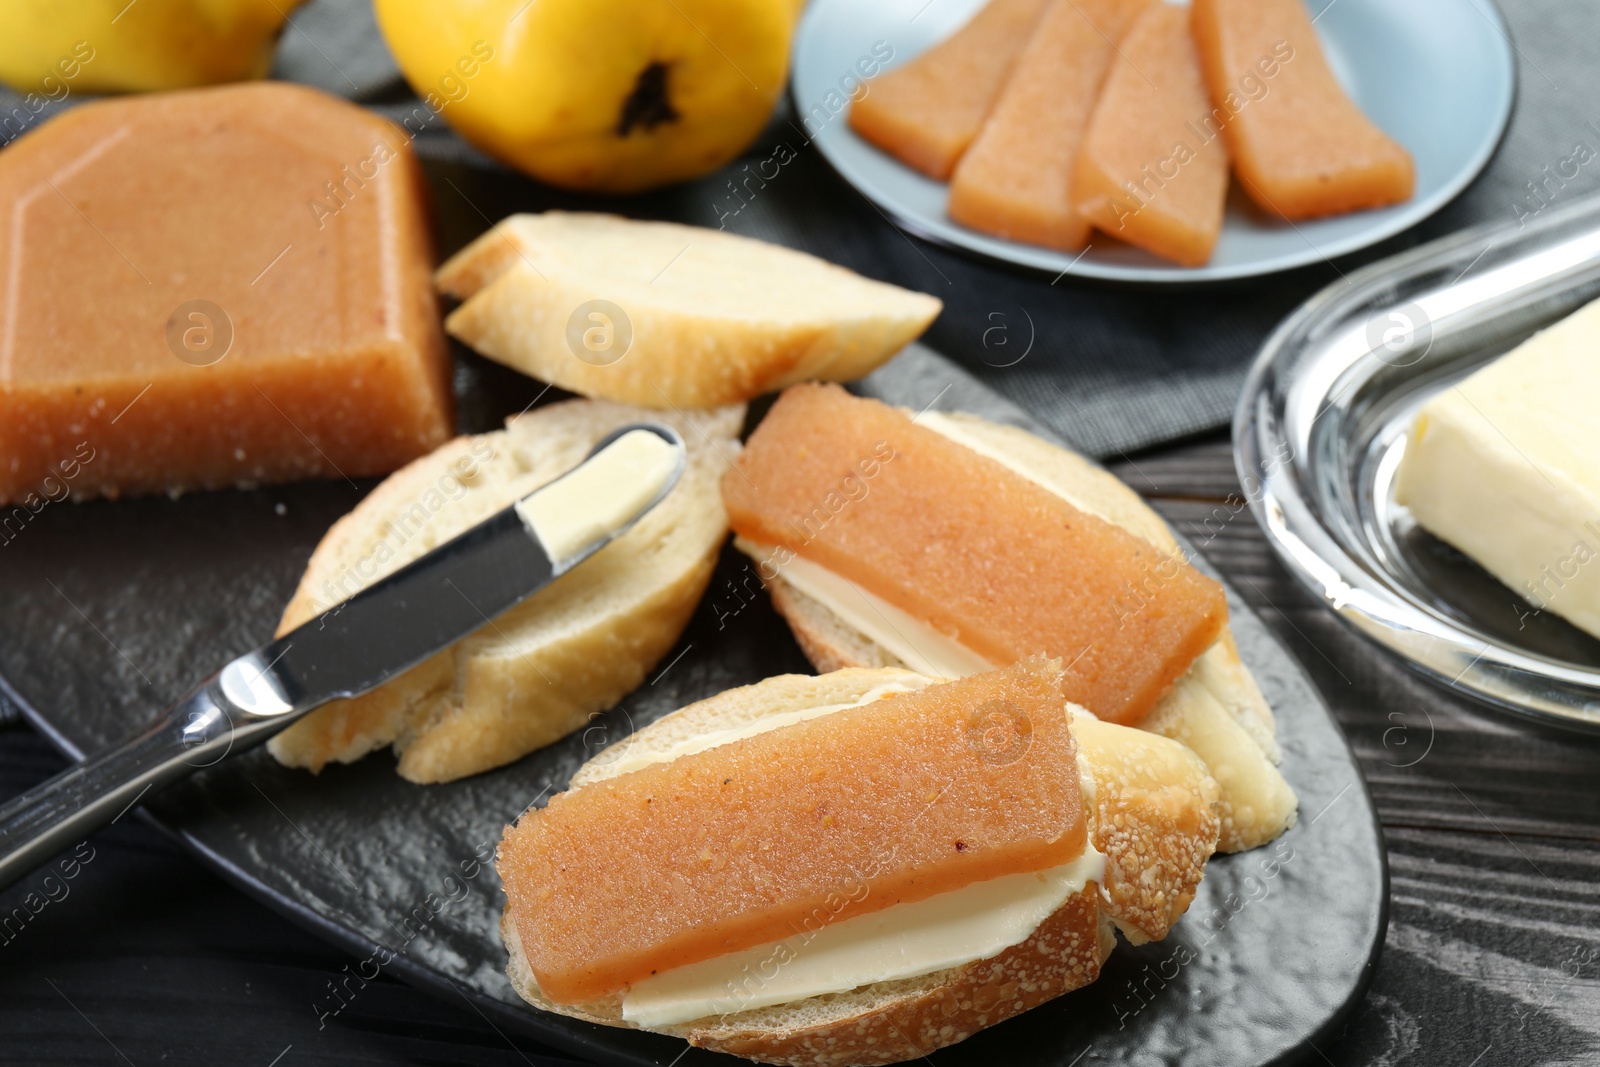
x=1505 y=466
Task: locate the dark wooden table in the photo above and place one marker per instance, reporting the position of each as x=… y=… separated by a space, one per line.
x=1493 y=954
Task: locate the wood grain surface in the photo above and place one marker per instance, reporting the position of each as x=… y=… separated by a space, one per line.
x=1493 y=955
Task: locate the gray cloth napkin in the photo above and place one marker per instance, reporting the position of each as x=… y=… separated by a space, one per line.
x=1111 y=368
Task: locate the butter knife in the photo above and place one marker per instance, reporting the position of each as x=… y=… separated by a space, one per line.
x=358 y=644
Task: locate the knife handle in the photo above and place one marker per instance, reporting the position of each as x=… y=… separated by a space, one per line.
x=197 y=732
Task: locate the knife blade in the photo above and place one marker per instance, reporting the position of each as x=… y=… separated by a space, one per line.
x=360 y=643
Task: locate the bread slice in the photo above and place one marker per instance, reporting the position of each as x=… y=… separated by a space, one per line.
x=1149 y=805
x=571 y=650
x=690 y=317
x=1216 y=707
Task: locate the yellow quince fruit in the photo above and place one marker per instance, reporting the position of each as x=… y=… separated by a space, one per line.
x=611 y=96
x=51 y=48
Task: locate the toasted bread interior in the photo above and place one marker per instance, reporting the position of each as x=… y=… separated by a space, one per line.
x=669 y=316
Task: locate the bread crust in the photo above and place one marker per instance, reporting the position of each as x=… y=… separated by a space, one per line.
x=1064 y=954
x=1137 y=819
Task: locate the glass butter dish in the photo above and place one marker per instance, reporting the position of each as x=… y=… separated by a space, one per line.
x=1321 y=428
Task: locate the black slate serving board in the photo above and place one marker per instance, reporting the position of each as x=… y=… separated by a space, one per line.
x=111 y=610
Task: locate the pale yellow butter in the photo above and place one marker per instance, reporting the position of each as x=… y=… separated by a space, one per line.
x=918 y=645
x=950 y=929
x=1505 y=466
x=607 y=492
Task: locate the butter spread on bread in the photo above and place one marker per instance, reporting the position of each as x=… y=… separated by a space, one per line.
x=607 y=491
x=913 y=642
x=571 y=650
x=1148 y=826
x=904 y=941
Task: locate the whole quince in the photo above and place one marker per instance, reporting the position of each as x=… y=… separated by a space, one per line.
x=51 y=48
x=611 y=96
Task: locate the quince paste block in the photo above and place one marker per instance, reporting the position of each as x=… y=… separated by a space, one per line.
x=1302 y=148
x=1016 y=178
x=926 y=112
x=1150 y=172
x=216 y=287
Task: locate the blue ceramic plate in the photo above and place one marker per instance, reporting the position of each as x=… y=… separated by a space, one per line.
x=1436 y=75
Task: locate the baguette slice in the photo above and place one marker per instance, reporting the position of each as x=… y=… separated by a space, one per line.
x=571 y=650
x=1149 y=806
x=707 y=317
x=1215 y=708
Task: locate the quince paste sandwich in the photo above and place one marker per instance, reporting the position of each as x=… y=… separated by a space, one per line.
x=951 y=546
x=216 y=287
x=542 y=669
x=855 y=868
x=667 y=316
